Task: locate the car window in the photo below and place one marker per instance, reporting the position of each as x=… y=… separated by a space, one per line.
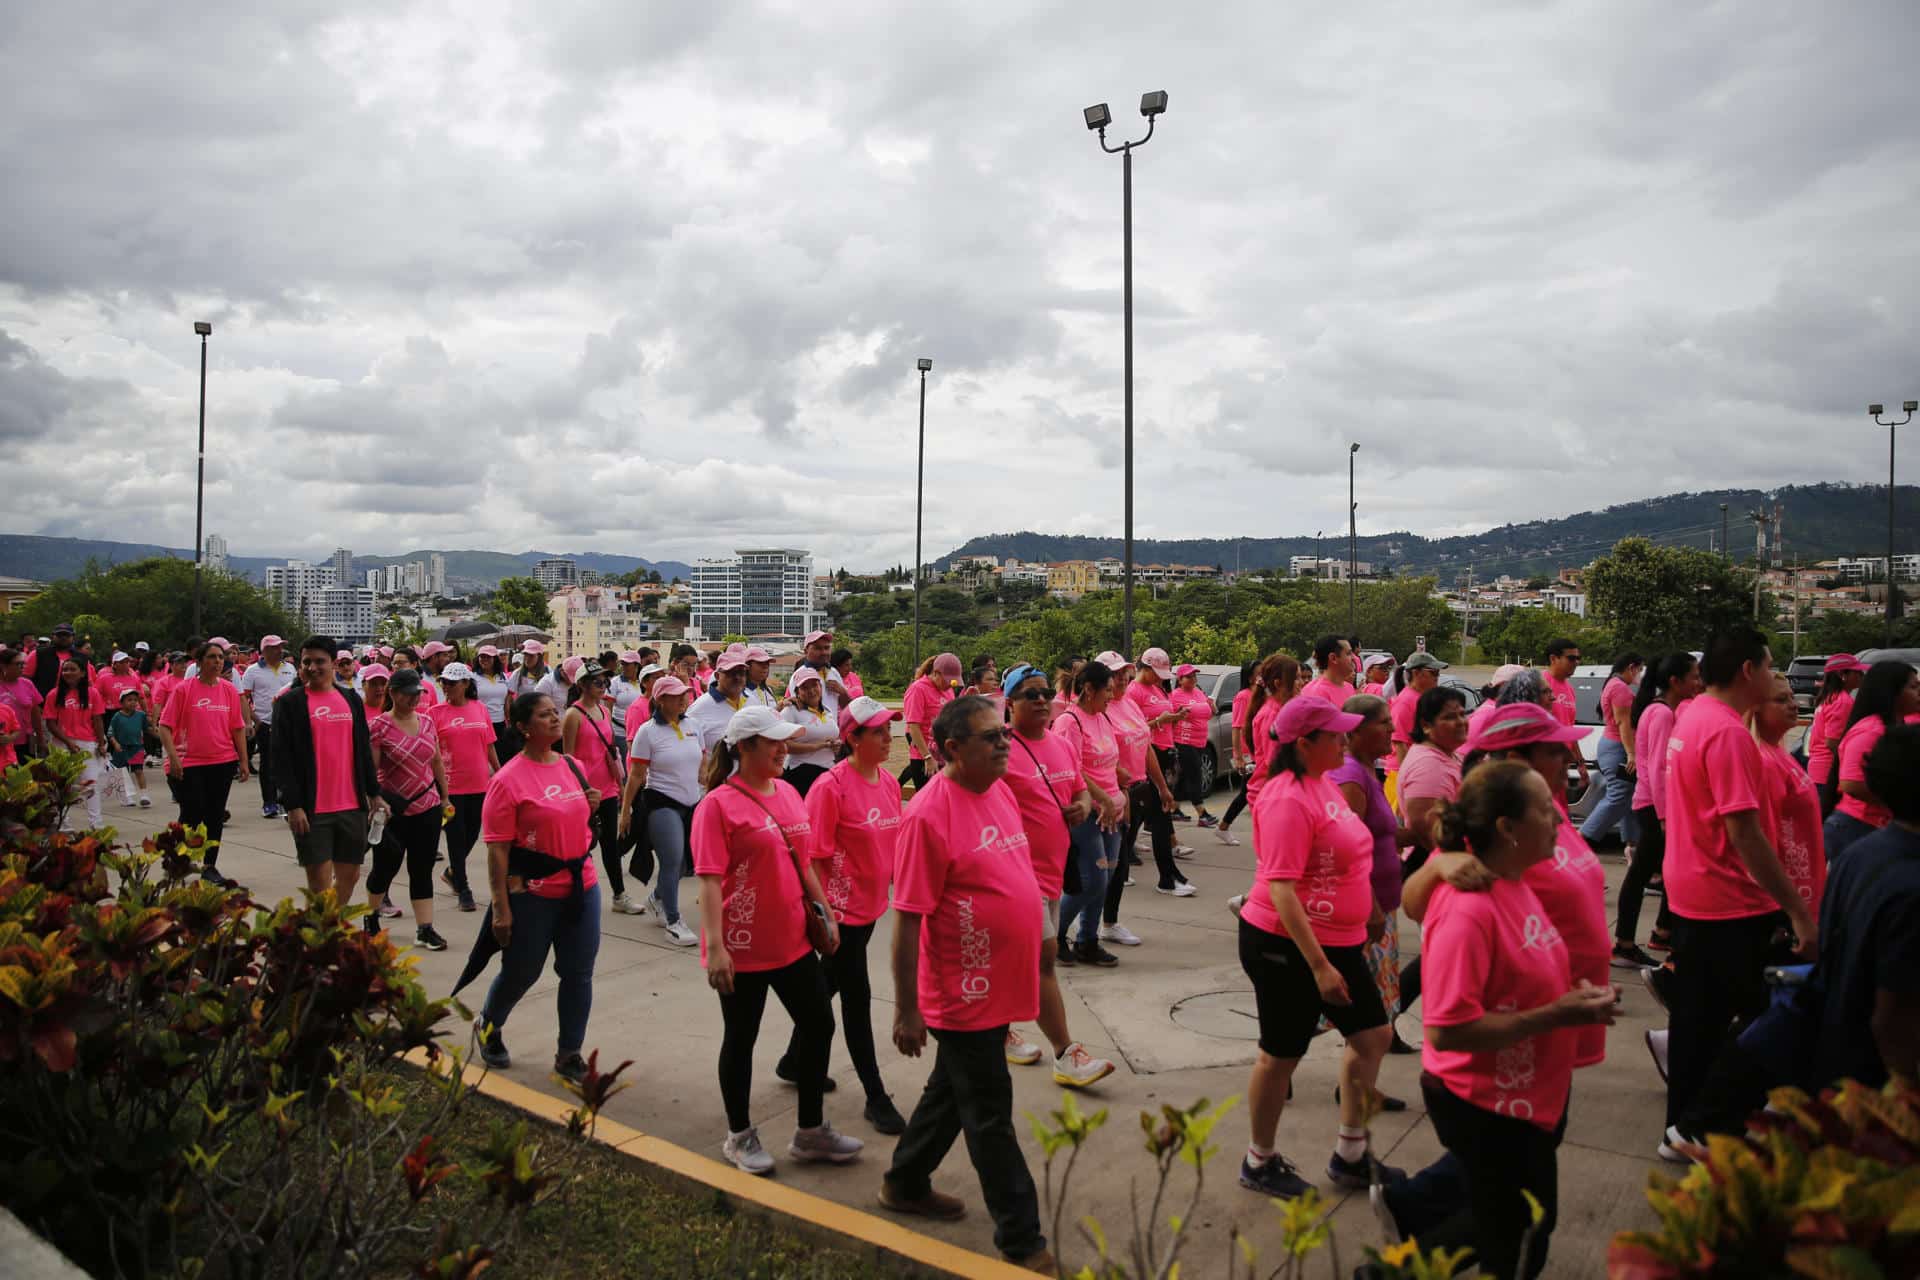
x=1586 y=698
x=1224 y=692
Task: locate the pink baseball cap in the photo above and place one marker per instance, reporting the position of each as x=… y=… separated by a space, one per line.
x=805 y=675
x=487 y=651
x=864 y=713
x=947 y=665
x=817 y=635
x=1111 y=660
x=729 y=660
x=1506 y=673
x=757 y=654
x=345 y=655
x=1841 y=662
x=268 y=642
x=1157 y=661
x=385 y=651
x=630 y=655
x=532 y=646
x=571 y=667
x=1185 y=669
x=222 y=641
x=1521 y=724
x=738 y=646
x=374 y=671
x=1303 y=716
x=667 y=686
x=432 y=647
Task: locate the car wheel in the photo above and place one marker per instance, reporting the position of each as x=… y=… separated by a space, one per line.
x=1209 y=771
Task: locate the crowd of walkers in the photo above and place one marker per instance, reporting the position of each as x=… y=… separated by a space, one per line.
x=1004 y=848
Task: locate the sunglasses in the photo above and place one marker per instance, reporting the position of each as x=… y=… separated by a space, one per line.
x=1034 y=695
x=993 y=737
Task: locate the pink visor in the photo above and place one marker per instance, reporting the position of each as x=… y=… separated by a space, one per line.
x=1521 y=724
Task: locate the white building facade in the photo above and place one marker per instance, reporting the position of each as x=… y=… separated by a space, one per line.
x=758 y=591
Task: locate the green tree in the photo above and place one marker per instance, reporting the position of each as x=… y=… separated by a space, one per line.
x=400 y=629
x=1522 y=635
x=152 y=600
x=1659 y=599
x=519 y=600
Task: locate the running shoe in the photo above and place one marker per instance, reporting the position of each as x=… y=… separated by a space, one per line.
x=571 y=1066
x=1184 y=851
x=653 y=904
x=1208 y=822
x=1179 y=889
x=1676 y=1147
x=217 y=880
x=466 y=901
x=623 y=904
x=1179 y=815
x=884 y=1116
x=1234 y=904
x=1119 y=935
x=1656 y=979
x=428 y=938
x=493 y=1051
x=1096 y=955
x=746 y=1154
x=387 y=908
x=1355 y=1175
x=1628 y=956
x=1063 y=955
x=1276 y=1177
x=1660 y=942
x=681 y=936
x=1656 y=1038
x=1076 y=1068
x=1225 y=836
x=1021 y=1052
x=824 y=1144
x=146 y=801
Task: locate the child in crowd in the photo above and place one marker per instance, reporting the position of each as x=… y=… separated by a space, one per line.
x=126 y=749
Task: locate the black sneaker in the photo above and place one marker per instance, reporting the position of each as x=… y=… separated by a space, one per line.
x=493 y=1051
x=217 y=880
x=1063 y=956
x=1658 y=980
x=1358 y=1174
x=370 y=925
x=466 y=901
x=572 y=1066
x=427 y=937
x=1627 y=955
x=1095 y=954
x=785 y=1071
x=1277 y=1177
x=884 y=1116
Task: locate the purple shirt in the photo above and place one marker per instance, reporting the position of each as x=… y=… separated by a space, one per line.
x=1378 y=819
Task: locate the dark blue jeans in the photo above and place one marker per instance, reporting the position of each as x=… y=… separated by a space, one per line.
x=1097 y=854
x=1841 y=832
x=541 y=925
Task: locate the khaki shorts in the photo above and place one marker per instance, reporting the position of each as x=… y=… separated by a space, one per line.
x=1053 y=916
x=333 y=837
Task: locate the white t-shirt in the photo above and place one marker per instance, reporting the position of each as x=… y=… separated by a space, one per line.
x=263 y=685
x=814 y=743
x=622 y=693
x=493 y=691
x=708 y=717
x=551 y=685
x=760 y=694
x=672 y=755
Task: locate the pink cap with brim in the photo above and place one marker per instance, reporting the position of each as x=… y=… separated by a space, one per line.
x=270 y=642
x=345 y=655
x=630 y=656
x=1507 y=673
x=572 y=666
x=730 y=661
x=433 y=647
x=532 y=646
x=487 y=651
x=947 y=665
x=667 y=686
x=1842 y=662
x=817 y=635
x=864 y=713
x=374 y=671
x=805 y=675
x=1303 y=716
x=222 y=641
x=1157 y=661
x=757 y=654
x=1521 y=724
x=1111 y=660
x=1185 y=669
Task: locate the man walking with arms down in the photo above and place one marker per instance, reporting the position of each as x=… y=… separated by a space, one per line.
x=323 y=772
x=262 y=682
x=966 y=965
x=1724 y=881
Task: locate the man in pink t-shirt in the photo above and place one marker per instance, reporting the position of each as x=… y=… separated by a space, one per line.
x=925 y=697
x=322 y=770
x=1333 y=658
x=1728 y=891
x=966 y=965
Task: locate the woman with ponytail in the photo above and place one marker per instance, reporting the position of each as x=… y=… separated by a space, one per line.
x=1668 y=683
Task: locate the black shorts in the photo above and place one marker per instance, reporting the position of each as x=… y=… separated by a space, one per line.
x=1289 y=999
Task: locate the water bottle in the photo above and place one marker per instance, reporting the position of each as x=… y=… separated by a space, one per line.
x=377 y=828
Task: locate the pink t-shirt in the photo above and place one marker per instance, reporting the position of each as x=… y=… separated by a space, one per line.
x=1263 y=746
x=1240 y=701
x=1615 y=698
x=112 y=685
x=24 y=697
x=855 y=824
x=1713 y=769
x=1564 y=703
x=1304 y=831
x=331 y=719
x=762 y=903
x=1092 y=739
x=1152 y=701
x=1854 y=748
x=1375 y=688
x=406 y=760
x=1131 y=735
x=204 y=716
x=1044 y=777
x=965 y=870
x=1829 y=724
x=9 y=723
x=1573 y=888
x=1497 y=952
x=1401 y=710
x=1650 y=754
x=1791 y=817
x=541 y=807
x=73 y=715
x=593 y=751
x=1191 y=731
x=922 y=703
x=853 y=685
x=1335 y=692
x=465 y=734
x=1428 y=773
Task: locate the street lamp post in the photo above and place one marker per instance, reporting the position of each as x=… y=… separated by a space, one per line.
x=1097 y=118
x=919 y=500
x=202 y=328
x=1353 y=537
x=1893 y=598
x=1726 y=552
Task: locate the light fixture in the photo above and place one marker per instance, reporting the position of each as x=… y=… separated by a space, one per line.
x=1911 y=406
x=1876 y=409
x=1098 y=117
x=202 y=328
x=1152 y=104
x=924 y=364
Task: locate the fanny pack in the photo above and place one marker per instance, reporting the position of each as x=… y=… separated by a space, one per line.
x=1070 y=877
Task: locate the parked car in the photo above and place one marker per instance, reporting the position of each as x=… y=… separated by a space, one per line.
x=1804 y=675
x=1909 y=656
x=1219 y=683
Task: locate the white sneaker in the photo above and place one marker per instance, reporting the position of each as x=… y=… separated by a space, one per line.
x=1184 y=851
x=1119 y=935
x=146 y=802
x=746 y=1154
x=1181 y=889
x=1657 y=1047
x=681 y=936
x=824 y=1144
x=1225 y=836
x=1671 y=1145
x=1234 y=904
x=1021 y=1052
x=623 y=904
x=1076 y=1068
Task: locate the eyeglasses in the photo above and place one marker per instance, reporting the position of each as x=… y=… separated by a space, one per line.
x=993 y=737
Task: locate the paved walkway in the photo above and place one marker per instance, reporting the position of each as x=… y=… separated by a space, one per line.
x=652 y=1005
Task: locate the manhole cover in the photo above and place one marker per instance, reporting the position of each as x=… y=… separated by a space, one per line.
x=1228 y=1015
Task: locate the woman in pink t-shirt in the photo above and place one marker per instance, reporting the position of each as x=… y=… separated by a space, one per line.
x=1083 y=725
x=1839 y=679
x=1145 y=767
x=1789 y=804
x=587 y=734
x=74 y=713
x=1275 y=685
x=1430 y=772
x=751 y=838
x=1889 y=694
x=1303 y=934
x=413 y=781
x=467 y=738
x=204 y=732
x=1240 y=761
x=1615 y=756
x=1503 y=1013
x=1190 y=737
x=537 y=820
x=1667 y=683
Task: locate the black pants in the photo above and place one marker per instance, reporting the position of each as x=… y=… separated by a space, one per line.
x=413 y=840
x=1648 y=855
x=1238 y=803
x=606 y=829
x=263 y=743
x=1502 y=1157
x=202 y=791
x=462 y=832
x=801 y=777
x=846 y=971
x=1719 y=974
x=915 y=772
x=1192 y=784
x=1409 y=985
x=971 y=1092
x=1144 y=810
x=802 y=988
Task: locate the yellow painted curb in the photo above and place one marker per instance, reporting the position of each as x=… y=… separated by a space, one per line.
x=797 y=1208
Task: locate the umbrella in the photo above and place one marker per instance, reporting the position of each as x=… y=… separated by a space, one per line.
x=485 y=947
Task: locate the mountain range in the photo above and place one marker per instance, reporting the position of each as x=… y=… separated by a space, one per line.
x=1819 y=521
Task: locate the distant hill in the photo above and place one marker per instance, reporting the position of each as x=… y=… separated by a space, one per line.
x=48 y=559
x=1821 y=521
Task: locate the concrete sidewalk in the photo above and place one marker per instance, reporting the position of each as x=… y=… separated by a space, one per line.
x=1176 y=1016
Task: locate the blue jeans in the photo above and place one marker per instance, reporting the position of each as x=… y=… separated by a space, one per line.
x=1841 y=832
x=1616 y=805
x=541 y=925
x=667 y=831
x=1097 y=854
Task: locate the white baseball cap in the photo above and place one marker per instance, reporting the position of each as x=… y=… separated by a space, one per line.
x=757 y=721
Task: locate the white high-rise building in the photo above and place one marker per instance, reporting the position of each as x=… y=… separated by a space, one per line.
x=556 y=574
x=437 y=573
x=415 y=577
x=296 y=583
x=342 y=561
x=759 y=591
x=376 y=580
x=216 y=553
x=396 y=580
x=345 y=613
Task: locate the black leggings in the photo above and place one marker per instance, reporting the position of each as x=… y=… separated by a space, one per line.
x=801 y=777
x=413 y=840
x=462 y=832
x=1192 y=783
x=1238 y=802
x=915 y=772
x=802 y=988
x=606 y=829
x=1648 y=854
x=1143 y=806
x=202 y=792
x=846 y=971
x=1502 y=1157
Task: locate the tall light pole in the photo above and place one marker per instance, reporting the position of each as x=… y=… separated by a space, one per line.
x=919 y=501
x=1098 y=117
x=202 y=328
x=1726 y=551
x=1353 y=536
x=1893 y=591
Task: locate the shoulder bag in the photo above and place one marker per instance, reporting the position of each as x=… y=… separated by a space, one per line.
x=819 y=933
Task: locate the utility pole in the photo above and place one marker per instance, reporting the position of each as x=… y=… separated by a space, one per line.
x=1760 y=522
x=1726 y=548
x=1466 y=618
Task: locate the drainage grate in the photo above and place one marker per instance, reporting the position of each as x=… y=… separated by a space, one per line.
x=1225 y=1015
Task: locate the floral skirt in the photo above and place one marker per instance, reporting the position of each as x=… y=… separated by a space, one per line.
x=1383 y=962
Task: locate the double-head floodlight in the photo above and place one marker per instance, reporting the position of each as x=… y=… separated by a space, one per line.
x=924 y=364
x=1098 y=117
x=202 y=328
x=1152 y=104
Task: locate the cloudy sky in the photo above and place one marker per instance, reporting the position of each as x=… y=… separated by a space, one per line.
x=650 y=277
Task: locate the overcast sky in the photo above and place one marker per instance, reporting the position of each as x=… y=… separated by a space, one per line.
x=651 y=276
